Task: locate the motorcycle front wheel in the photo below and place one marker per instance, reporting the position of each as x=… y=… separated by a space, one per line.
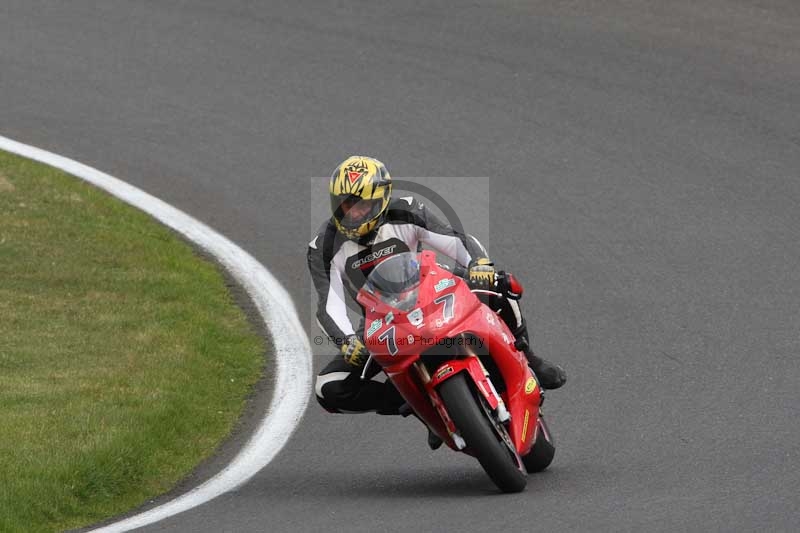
x=481 y=434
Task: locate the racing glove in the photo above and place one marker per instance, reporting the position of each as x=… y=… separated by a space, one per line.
x=481 y=273
x=353 y=351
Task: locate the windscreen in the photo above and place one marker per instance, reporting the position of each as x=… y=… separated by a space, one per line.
x=395 y=281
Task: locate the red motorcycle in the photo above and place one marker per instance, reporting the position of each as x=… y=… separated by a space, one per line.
x=454 y=361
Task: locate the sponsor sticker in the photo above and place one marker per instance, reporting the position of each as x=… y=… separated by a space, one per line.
x=530 y=386
x=389 y=318
x=415 y=317
x=525 y=425
x=442 y=372
x=375 y=326
x=444 y=284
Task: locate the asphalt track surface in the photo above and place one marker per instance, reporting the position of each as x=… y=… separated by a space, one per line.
x=636 y=165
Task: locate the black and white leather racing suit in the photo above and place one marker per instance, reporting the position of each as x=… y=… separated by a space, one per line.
x=339 y=267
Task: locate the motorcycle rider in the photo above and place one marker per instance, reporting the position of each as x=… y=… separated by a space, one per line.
x=366 y=226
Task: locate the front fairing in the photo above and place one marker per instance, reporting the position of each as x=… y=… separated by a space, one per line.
x=443 y=303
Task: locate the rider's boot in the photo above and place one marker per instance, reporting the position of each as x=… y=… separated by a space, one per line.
x=549 y=375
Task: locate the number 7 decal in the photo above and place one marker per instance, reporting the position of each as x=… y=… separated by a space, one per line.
x=388 y=336
x=449 y=301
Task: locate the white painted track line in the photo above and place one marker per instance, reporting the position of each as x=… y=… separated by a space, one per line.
x=292 y=348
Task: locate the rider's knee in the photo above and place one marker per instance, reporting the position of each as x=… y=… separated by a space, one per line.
x=331 y=390
x=327 y=404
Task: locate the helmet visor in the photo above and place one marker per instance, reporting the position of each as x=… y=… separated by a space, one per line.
x=353 y=211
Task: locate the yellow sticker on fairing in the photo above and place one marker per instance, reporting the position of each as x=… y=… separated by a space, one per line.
x=525 y=425
x=530 y=386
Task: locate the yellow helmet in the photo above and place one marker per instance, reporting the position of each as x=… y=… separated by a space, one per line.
x=361 y=189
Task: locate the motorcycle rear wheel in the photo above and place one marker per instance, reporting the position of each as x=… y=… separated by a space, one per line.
x=480 y=434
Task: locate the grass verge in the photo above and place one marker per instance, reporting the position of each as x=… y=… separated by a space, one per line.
x=123 y=359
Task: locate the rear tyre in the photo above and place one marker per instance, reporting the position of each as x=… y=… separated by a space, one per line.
x=480 y=434
x=542 y=451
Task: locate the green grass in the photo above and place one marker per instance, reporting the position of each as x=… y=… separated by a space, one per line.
x=123 y=359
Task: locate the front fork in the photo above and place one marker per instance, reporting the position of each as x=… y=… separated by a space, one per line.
x=425 y=377
x=478 y=374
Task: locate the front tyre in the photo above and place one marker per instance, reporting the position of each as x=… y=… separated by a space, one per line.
x=480 y=434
